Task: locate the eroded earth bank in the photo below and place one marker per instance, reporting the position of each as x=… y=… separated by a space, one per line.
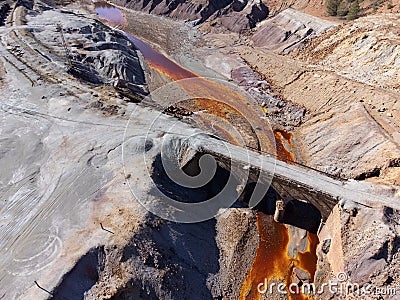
x=91 y=124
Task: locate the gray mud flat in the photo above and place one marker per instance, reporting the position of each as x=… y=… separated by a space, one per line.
x=69 y=177
x=69 y=220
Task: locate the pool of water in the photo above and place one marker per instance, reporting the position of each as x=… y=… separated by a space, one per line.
x=110 y=13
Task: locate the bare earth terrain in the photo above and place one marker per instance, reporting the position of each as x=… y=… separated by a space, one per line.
x=92 y=139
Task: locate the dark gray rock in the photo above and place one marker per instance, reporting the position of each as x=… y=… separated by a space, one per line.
x=235 y=14
x=326 y=246
x=95 y=52
x=4 y=10
x=279 y=112
x=288 y=30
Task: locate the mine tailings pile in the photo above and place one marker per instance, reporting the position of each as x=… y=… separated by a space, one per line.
x=272 y=261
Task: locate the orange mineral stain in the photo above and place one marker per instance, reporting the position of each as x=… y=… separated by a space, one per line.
x=284 y=154
x=272 y=261
x=156 y=60
x=308 y=259
x=215 y=97
x=210 y=96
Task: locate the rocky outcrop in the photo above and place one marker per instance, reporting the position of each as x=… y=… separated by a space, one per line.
x=363 y=116
x=4 y=9
x=232 y=14
x=280 y=113
x=359 y=247
x=166 y=260
x=95 y=53
x=359 y=150
x=288 y=30
x=69 y=220
x=367 y=50
x=237 y=251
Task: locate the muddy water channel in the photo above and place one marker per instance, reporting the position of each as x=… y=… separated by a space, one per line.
x=272 y=261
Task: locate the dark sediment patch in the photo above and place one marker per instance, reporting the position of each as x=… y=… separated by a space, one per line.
x=82 y=277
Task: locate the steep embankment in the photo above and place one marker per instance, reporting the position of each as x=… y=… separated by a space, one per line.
x=240 y=14
x=347 y=80
x=332 y=101
x=231 y=14
x=318 y=8
x=289 y=30
x=367 y=50
x=366 y=117
x=346 y=77
x=365 y=57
